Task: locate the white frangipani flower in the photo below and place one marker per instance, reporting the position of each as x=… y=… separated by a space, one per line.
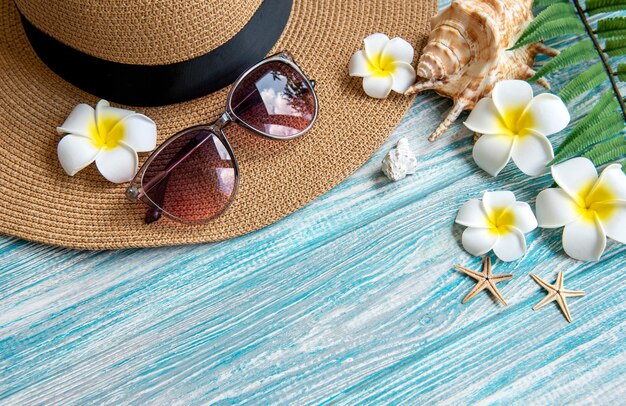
x=514 y=125
x=590 y=207
x=497 y=222
x=384 y=65
x=107 y=135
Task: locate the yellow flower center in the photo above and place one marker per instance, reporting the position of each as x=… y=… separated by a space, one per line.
x=107 y=132
x=381 y=66
x=501 y=218
x=597 y=201
x=515 y=121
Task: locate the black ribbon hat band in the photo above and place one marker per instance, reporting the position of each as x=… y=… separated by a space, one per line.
x=156 y=85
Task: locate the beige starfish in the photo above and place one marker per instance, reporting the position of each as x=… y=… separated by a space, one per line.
x=485 y=280
x=556 y=292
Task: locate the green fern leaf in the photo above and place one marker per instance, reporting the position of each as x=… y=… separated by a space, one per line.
x=540 y=4
x=592 y=77
x=609 y=151
x=599 y=131
x=556 y=20
x=615 y=47
x=576 y=53
x=553 y=29
x=603 y=6
x=553 y=12
x=607 y=106
x=621 y=72
x=612 y=27
x=606 y=102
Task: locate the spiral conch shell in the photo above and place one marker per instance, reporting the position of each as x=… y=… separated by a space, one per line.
x=467 y=52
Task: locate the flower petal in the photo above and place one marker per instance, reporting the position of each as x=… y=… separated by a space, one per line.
x=399 y=50
x=75 y=152
x=610 y=186
x=576 y=176
x=403 y=76
x=511 y=98
x=614 y=219
x=374 y=45
x=472 y=214
x=492 y=152
x=584 y=239
x=555 y=208
x=139 y=132
x=81 y=121
x=359 y=66
x=523 y=217
x=511 y=245
x=478 y=241
x=107 y=117
x=545 y=114
x=485 y=119
x=495 y=203
x=378 y=86
x=532 y=152
x=118 y=165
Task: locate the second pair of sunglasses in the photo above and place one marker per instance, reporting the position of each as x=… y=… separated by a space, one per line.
x=193 y=176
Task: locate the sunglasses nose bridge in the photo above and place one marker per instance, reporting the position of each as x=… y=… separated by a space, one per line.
x=222 y=121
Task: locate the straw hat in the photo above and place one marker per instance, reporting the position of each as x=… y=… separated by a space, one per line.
x=39 y=202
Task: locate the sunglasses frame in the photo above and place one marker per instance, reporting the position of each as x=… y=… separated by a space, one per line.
x=135 y=191
x=284 y=57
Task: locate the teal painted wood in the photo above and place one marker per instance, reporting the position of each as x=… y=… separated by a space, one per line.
x=350 y=300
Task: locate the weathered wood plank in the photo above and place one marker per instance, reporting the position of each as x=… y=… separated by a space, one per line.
x=350 y=300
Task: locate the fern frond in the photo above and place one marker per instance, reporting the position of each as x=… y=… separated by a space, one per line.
x=615 y=47
x=554 y=12
x=540 y=4
x=621 y=72
x=599 y=131
x=592 y=77
x=600 y=135
x=579 y=52
x=606 y=106
x=611 y=27
x=604 y=6
x=551 y=29
x=608 y=151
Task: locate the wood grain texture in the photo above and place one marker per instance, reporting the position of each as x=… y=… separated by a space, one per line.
x=351 y=300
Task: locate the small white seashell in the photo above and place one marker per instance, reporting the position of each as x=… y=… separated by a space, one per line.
x=400 y=161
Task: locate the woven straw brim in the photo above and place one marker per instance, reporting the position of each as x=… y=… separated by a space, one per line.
x=39 y=202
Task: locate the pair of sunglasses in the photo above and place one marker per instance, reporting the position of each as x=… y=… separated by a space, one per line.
x=193 y=176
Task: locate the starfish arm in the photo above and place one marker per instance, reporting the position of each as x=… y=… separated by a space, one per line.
x=549 y=297
x=563 y=305
x=501 y=277
x=477 y=289
x=567 y=292
x=558 y=285
x=494 y=291
x=476 y=275
x=542 y=283
x=487 y=266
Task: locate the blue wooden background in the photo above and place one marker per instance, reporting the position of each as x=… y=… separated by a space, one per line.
x=352 y=299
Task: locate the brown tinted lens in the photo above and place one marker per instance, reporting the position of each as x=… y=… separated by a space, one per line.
x=275 y=99
x=193 y=178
